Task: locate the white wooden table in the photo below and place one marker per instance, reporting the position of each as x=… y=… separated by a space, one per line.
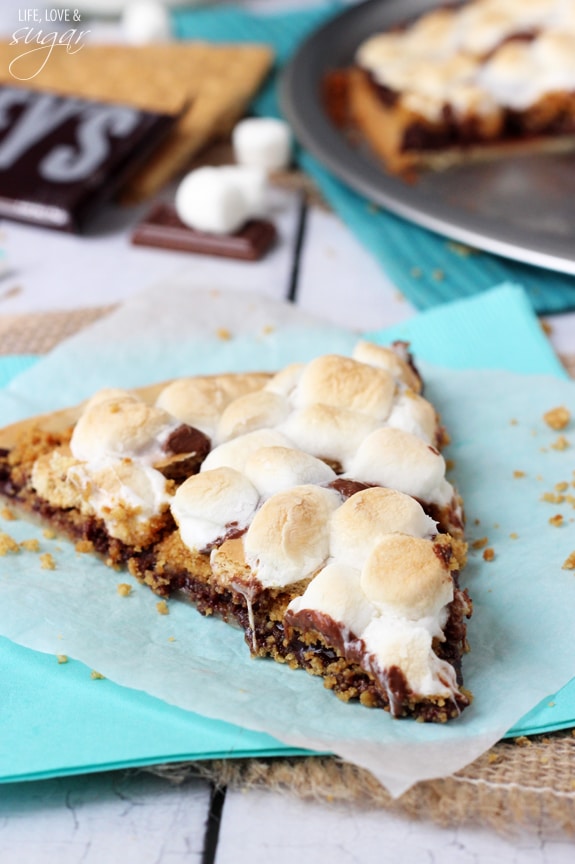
x=136 y=816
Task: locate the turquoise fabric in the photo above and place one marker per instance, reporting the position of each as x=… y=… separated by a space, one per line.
x=427 y=268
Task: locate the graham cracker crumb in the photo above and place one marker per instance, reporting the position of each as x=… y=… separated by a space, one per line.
x=62 y=658
x=162 y=607
x=49 y=533
x=561 y=443
x=224 y=334
x=84 y=546
x=513 y=422
x=562 y=487
x=269 y=328
x=124 y=589
x=460 y=249
x=523 y=741
x=32 y=545
x=569 y=563
x=552 y=498
x=438 y=275
x=492 y=757
x=519 y=473
x=479 y=544
x=7 y=544
x=96 y=676
x=488 y=554
x=47 y=561
x=514 y=536
x=557 y=418
x=556 y=520
x=8 y=514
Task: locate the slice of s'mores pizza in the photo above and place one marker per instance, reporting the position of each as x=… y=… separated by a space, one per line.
x=473 y=80
x=309 y=506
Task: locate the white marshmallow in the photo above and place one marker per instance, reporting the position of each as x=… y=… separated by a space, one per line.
x=145 y=21
x=394 y=458
x=235 y=453
x=204 y=503
x=288 y=539
x=208 y=200
x=275 y=469
x=252 y=182
x=262 y=141
x=396 y=642
x=336 y=592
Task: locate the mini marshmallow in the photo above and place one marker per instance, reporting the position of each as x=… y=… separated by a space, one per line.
x=285 y=381
x=414 y=414
x=346 y=383
x=252 y=411
x=199 y=402
x=264 y=142
x=115 y=488
x=235 y=453
x=392 y=642
x=145 y=21
x=405 y=576
x=121 y=426
x=371 y=514
x=288 y=539
x=328 y=432
x=204 y=504
x=392 y=457
x=395 y=360
x=275 y=469
x=336 y=592
x=207 y=200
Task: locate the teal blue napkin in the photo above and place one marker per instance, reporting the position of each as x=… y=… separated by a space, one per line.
x=113 y=726
x=412 y=257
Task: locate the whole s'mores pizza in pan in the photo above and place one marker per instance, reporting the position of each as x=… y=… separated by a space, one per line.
x=478 y=79
x=309 y=506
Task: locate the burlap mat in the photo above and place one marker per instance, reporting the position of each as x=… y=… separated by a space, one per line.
x=528 y=782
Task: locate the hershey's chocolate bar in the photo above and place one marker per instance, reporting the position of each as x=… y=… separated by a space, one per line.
x=61 y=157
x=163 y=228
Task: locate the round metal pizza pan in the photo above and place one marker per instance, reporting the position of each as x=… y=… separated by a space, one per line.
x=517 y=207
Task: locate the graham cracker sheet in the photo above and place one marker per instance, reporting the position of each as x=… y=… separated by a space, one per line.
x=209 y=86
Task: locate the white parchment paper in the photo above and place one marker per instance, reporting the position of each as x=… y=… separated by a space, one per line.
x=521 y=632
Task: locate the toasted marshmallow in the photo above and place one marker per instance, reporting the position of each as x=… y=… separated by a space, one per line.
x=288 y=539
x=117 y=490
x=398 y=643
x=336 y=592
x=264 y=142
x=285 y=381
x=392 y=457
x=275 y=469
x=204 y=503
x=368 y=517
x=346 y=383
x=414 y=414
x=405 y=576
x=394 y=360
x=262 y=409
x=235 y=453
x=121 y=426
x=199 y=402
x=328 y=432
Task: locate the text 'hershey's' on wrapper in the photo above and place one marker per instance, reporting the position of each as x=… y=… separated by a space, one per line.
x=61 y=157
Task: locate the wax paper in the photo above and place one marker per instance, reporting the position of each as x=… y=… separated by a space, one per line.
x=505 y=459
